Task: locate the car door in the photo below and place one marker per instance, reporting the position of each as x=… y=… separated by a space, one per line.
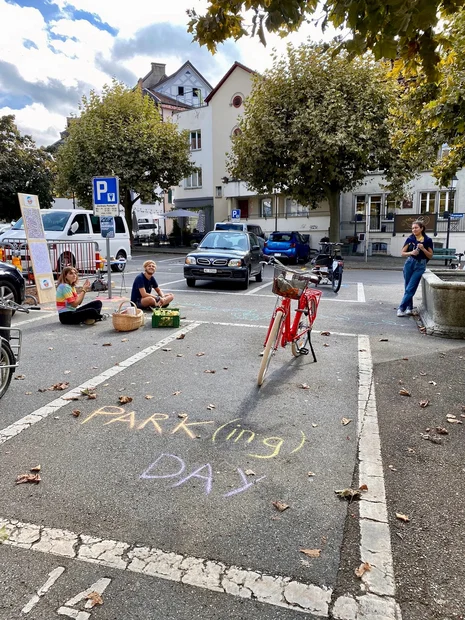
x=302 y=247
x=255 y=253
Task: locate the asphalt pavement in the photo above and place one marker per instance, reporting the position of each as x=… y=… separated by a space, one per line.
x=162 y=502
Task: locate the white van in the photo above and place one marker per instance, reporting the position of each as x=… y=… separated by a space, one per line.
x=74 y=225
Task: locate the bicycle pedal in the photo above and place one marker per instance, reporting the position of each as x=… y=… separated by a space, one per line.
x=304 y=351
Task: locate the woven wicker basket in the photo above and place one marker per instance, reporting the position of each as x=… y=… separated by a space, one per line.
x=124 y=322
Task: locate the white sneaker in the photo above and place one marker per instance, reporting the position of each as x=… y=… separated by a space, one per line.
x=401 y=313
x=408 y=312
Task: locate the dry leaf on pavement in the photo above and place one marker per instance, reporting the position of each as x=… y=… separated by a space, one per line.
x=95 y=599
x=363 y=487
x=325 y=333
x=311 y=553
x=346 y=421
x=20 y=377
x=76 y=413
x=3 y=534
x=176 y=393
x=402 y=517
x=211 y=372
x=200 y=354
x=125 y=399
x=36 y=468
x=23 y=478
x=249 y=472
x=349 y=494
x=148 y=396
x=432 y=382
x=59 y=386
x=182 y=415
x=404 y=392
x=106 y=344
x=362 y=569
x=166 y=349
x=211 y=406
x=311 y=474
x=279 y=505
x=304 y=386
x=384 y=339
x=441 y=431
x=180 y=337
x=424 y=403
x=70 y=397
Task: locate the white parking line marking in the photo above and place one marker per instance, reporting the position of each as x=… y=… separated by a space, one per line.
x=259 y=288
x=202 y=573
x=239 y=294
x=40 y=414
x=44 y=314
x=52 y=577
x=360 y=292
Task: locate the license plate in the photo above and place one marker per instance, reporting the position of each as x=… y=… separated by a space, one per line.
x=278 y=254
x=210 y=270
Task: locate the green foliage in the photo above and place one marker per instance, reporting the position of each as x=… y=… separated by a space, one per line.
x=407 y=29
x=313 y=125
x=431 y=115
x=24 y=168
x=121 y=133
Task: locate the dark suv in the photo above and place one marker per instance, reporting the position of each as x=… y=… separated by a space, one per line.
x=12 y=284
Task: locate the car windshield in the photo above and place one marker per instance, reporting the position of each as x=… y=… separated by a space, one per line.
x=224 y=241
x=281 y=237
x=52 y=220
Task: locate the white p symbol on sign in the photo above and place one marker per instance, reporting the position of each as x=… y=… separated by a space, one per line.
x=102 y=188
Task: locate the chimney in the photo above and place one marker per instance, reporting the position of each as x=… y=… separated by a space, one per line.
x=156 y=75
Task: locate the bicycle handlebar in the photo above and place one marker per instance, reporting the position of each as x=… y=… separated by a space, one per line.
x=9 y=304
x=274 y=261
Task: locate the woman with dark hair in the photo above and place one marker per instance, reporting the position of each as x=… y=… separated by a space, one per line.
x=68 y=301
x=418 y=248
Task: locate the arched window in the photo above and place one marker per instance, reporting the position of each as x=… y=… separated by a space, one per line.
x=237 y=101
x=236 y=131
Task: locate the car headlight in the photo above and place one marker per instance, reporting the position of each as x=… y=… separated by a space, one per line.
x=190 y=260
x=235 y=262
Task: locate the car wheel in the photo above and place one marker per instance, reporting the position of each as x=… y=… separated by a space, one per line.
x=259 y=276
x=121 y=267
x=9 y=293
x=245 y=282
x=190 y=282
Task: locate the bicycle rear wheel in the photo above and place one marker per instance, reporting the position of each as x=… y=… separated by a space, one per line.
x=271 y=345
x=304 y=329
x=337 y=279
x=7 y=358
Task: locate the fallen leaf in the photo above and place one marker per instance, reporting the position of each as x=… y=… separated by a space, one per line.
x=311 y=553
x=249 y=472
x=3 y=534
x=362 y=569
x=451 y=415
x=181 y=337
x=75 y=413
x=363 y=487
x=176 y=393
x=182 y=415
x=106 y=344
x=28 y=392
x=279 y=505
x=423 y=374
x=180 y=355
x=346 y=421
x=325 y=333
x=384 y=339
x=200 y=354
x=36 y=468
x=95 y=599
x=405 y=359
x=304 y=386
x=23 y=478
x=67 y=372
x=432 y=382
x=441 y=431
x=225 y=368
x=148 y=396
x=91 y=396
x=325 y=344
x=50 y=348
x=124 y=339
x=20 y=377
x=211 y=406
x=211 y=372
x=125 y=399
x=70 y=398
x=424 y=403
x=404 y=392
x=314 y=425
x=392 y=468
x=453 y=421
x=349 y=494
x=311 y=474
x=402 y=517
x=166 y=349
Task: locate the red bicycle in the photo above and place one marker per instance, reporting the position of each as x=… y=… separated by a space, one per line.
x=290 y=284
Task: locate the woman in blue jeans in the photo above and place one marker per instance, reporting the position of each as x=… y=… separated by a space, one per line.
x=419 y=250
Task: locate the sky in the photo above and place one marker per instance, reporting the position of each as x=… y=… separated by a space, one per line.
x=52 y=52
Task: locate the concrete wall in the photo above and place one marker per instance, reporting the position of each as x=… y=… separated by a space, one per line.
x=443 y=303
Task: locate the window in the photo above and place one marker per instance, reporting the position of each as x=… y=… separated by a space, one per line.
x=359 y=208
x=427 y=202
x=119 y=225
x=196 y=140
x=218 y=191
x=266 y=209
x=170 y=196
x=237 y=101
x=236 y=131
x=195 y=180
x=196 y=92
x=446 y=202
x=83 y=224
x=294 y=209
x=180 y=91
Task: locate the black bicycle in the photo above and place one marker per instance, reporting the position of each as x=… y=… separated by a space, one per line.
x=328 y=265
x=10 y=341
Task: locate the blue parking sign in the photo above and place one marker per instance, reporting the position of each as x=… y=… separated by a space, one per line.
x=107 y=226
x=105 y=195
x=236 y=214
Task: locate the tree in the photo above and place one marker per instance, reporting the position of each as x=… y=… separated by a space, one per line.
x=121 y=133
x=389 y=28
x=312 y=127
x=24 y=168
x=429 y=116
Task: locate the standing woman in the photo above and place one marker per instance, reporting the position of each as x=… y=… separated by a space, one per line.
x=68 y=300
x=419 y=250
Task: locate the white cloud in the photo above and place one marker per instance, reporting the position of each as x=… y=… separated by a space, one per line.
x=36 y=120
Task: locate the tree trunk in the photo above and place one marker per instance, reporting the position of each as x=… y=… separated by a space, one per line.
x=127 y=203
x=334 y=216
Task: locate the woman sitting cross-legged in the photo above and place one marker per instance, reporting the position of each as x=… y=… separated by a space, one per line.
x=141 y=293
x=68 y=300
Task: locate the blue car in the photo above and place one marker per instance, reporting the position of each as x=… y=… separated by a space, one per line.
x=288 y=245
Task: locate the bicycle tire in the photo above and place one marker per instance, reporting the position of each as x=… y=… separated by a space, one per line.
x=7 y=358
x=271 y=345
x=337 y=279
x=306 y=323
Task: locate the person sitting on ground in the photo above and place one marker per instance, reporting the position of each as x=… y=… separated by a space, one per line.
x=68 y=300
x=141 y=293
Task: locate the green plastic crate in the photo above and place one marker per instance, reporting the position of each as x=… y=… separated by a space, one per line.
x=165 y=317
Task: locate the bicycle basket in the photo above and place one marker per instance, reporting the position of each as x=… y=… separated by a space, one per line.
x=289 y=283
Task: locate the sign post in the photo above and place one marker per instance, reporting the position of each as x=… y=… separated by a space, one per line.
x=105 y=196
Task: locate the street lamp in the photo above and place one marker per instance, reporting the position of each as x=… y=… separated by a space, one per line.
x=452 y=188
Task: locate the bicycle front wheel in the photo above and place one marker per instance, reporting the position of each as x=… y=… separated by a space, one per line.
x=271 y=346
x=7 y=358
x=304 y=328
x=337 y=279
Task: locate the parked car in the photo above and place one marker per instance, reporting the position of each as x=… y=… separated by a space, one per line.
x=225 y=256
x=12 y=284
x=145 y=234
x=73 y=225
x=253 y=228
x=289 y=245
